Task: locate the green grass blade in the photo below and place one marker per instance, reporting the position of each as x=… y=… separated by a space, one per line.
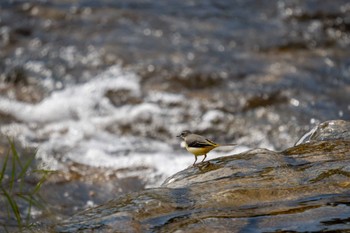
x=3 y=170
x=8 y=209
x=15 y=189
x=31 y=200
x=5 y=228
x=26 y=167
x=14 y=152
x=45 y=176
x=13 y=174
x=38 y=185
x=14 y=206
x=29 y=211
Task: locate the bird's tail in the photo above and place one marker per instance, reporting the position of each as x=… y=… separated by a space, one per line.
x=213 y=144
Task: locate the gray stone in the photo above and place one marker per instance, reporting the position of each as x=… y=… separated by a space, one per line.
x=303 y=188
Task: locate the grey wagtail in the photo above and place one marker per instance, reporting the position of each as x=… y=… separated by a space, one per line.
x=198 y=145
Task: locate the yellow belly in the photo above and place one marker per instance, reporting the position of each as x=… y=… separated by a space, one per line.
x=199 y=151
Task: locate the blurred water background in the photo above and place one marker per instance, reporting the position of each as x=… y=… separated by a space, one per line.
x=101 y=88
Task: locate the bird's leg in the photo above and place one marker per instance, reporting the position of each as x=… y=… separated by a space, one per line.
x=195 y=160
x=205 y=156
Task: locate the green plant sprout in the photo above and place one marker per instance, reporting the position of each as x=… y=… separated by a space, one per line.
x=18 y=192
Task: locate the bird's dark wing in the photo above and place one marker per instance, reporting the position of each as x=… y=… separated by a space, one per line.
x=201 y=144
x=211 y=142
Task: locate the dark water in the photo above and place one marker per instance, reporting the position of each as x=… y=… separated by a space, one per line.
x=103 y=87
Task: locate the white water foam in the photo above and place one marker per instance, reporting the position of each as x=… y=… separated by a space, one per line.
x=81 y=101
x=73 y=124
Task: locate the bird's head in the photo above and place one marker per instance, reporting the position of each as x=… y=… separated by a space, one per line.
x=184 y=134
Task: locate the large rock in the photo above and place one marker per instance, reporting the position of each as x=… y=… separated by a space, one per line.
x=304 y=188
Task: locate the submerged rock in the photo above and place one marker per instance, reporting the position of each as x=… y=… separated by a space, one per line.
x=303 y=188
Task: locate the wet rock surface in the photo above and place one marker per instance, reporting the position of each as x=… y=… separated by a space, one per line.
x=329 y=130
x=304 y=188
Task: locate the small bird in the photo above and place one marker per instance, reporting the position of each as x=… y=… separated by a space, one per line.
x=198 y=145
